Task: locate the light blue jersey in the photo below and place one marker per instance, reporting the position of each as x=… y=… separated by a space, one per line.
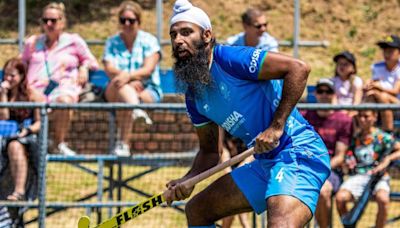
x=241 y=103
x=265 y=41
x=145 y=45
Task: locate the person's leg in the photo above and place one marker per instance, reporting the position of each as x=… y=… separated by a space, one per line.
x=287 y=211
x=383 y=200
x=126 y=94
x=220 y=199
x=227 y=221
x=382 y=197
x=19 y=168
x=322 y=212
x=243 y=218
x=386 y=115
x=342 y=197
x=62 y=119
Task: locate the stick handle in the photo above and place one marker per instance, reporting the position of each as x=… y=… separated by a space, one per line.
x=204 y=175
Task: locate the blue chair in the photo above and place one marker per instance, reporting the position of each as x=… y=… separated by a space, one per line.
x=310 y=94
x=167 y=80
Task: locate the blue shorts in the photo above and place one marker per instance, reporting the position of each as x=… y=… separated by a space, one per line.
x=299 y=172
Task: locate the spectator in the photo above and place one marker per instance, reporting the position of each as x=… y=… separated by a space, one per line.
x=348 y=86
x=334 y=128
x=255 y=32
x=24 y=145
x=385 y=84
x=58 y=64
x=131 y=61
x=367 y=147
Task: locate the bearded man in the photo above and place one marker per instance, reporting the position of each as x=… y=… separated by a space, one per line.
x=252 y=94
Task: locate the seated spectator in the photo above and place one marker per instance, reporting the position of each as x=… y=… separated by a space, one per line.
x=348 y=86
x=255 y=32
x=367 y=148
x=334 y=128
x=131 y=62
x=24 y=145
x=58 y=64
x=232 y=146
x=385 y=84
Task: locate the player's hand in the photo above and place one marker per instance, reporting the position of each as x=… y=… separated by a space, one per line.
x=177 y=191
x=268 y=140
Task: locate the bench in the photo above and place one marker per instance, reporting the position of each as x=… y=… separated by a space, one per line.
x=167 y=81
x=100 y=79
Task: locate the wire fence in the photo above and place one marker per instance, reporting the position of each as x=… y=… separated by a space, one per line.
x=98 y=184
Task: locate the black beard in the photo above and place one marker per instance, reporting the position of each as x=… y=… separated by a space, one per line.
x=192 y=73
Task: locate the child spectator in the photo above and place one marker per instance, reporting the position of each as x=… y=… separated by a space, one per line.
x=131 y=62
x=58 y=64
x=368 y=147
x=385 y=84
x=348 y=86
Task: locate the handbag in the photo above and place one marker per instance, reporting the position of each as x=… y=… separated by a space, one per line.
x=91 y=93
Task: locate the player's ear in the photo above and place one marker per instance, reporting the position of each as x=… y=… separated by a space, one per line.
x=207 y=36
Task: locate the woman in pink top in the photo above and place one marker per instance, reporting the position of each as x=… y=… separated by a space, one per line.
x=348 y=85
x=58 y=64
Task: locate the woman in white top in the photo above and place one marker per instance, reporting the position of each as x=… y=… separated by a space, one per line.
x=348 y=85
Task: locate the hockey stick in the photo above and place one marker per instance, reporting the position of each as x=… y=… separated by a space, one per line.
x=350 y=219
x=133 y=212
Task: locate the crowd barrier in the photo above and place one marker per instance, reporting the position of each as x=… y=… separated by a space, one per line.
x=99 y=184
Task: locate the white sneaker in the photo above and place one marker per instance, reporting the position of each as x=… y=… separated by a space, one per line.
x=141 y=116
x=65 y=150
x=121 y=149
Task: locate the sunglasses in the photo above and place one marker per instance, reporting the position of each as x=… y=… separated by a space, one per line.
x=259 y=26
x=326 y=91
x=53 y=20
x=122 y=20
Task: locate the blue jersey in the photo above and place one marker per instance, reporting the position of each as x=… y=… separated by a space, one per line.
x=242 y=104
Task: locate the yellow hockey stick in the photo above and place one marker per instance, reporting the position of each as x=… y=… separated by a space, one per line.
x=133 y=212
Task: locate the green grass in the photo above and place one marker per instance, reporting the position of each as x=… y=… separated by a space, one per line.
x=66 y=184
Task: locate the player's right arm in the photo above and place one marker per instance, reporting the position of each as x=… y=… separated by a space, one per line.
x=206 y=158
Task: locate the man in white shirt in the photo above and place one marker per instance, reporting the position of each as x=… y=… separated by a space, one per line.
x=255 y=32
x=385 y=84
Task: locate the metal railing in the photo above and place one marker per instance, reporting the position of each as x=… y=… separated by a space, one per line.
x=42 y=204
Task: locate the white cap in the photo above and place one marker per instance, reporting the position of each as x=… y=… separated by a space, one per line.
x=185 y=11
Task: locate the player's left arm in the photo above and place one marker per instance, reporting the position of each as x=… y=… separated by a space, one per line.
x=294 y=73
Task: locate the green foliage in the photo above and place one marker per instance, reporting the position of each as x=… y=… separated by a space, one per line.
x=352 y=32
x=368 y=52
x=369 y=13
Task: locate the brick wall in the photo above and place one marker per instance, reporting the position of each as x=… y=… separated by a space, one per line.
x=171 y=132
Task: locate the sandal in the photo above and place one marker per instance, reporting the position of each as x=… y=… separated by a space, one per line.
x=16 y=196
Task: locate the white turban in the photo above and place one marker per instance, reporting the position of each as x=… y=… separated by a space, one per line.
x=185 y=11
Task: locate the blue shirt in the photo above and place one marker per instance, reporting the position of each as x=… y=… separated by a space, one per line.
x=123 y=59
x=265 y=42
x=243 y=105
